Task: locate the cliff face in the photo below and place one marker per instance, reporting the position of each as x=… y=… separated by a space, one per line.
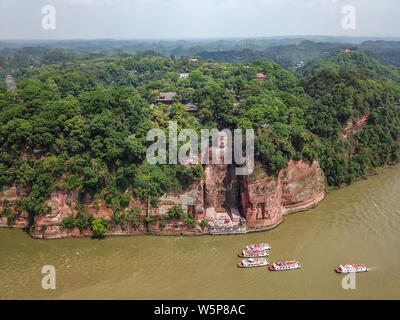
x=13 y=194
x=298 y=187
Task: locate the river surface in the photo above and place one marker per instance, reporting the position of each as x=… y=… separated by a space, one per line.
x=357 y=224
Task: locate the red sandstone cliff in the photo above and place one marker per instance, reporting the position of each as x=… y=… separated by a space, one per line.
x=300 y=186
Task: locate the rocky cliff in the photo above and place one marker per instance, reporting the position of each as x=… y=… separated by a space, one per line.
x=221 y=195
x=298 y=187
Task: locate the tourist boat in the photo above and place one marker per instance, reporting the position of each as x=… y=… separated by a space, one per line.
x=253 y=253
x=251 y=263
x=351 y=268
x=285 y=265
x=260 y=246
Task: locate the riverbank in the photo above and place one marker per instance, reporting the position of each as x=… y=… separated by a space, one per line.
x=369 y=173
x=221 y=196
x=266 y=201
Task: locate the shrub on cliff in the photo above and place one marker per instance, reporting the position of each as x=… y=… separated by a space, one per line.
x=67 y=223
x=203 y=224
x=99 y=227
x=11 y=219
x=83 y=221
x=136 y=212
x=191 y=223
x=124 y=200
x=121 y=219
x=154 y=202
x=163 y=223
x=176 y=213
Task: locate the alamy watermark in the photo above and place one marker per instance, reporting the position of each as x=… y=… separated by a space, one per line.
x=188 y=153
x=349 y=281
x=349 y=19
x=49 y=280
x=49 y=17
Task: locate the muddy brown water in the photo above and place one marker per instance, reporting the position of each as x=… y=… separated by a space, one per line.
x=357 y=224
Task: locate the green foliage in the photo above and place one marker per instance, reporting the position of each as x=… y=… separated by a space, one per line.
x=344 y=94
x=83 y=221
x=11 y=218
x=163 y=223
x=124 y=201
x=203 y=224
x=175 y=213
x=68 y=223
x=154 y=201
x=351 y=61
x=80 y=122
x=135 y=224
x=190 y=222
x=73 y=182
x=136 y=212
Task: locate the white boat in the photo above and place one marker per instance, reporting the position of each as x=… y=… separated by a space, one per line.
x=253 y=253
x=252 y=263
x=351 y=268
x=259 y=246
x=285 y=265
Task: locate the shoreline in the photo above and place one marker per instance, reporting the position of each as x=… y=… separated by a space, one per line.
x=198 y=231
x=371 y=173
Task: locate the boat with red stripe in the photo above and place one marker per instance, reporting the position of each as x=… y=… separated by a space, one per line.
x=253 y=253
x=351 y=268
x=259 y=246
x=285 y=265
x=252 y=263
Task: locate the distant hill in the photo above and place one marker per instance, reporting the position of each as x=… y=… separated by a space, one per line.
x=290 y=52
x=287 y=56
x=350 y=60
x=387 y=51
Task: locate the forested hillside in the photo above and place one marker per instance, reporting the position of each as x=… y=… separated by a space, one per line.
x=81 y=124
x=287 y=56
x=288 y=53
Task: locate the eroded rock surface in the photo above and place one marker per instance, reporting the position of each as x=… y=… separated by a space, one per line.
x=298 y=187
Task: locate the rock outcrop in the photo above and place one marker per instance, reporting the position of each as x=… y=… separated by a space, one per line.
x=354 y=125
x=10 y=84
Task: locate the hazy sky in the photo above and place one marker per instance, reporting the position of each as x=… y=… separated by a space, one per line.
x=160 y=19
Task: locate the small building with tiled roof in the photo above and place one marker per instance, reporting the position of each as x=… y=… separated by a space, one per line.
x=192 y=108
x=166 y=98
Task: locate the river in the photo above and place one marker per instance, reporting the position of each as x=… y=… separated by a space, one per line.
x=357 y=224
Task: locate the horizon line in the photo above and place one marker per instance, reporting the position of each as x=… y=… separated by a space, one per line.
x=203 y=38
